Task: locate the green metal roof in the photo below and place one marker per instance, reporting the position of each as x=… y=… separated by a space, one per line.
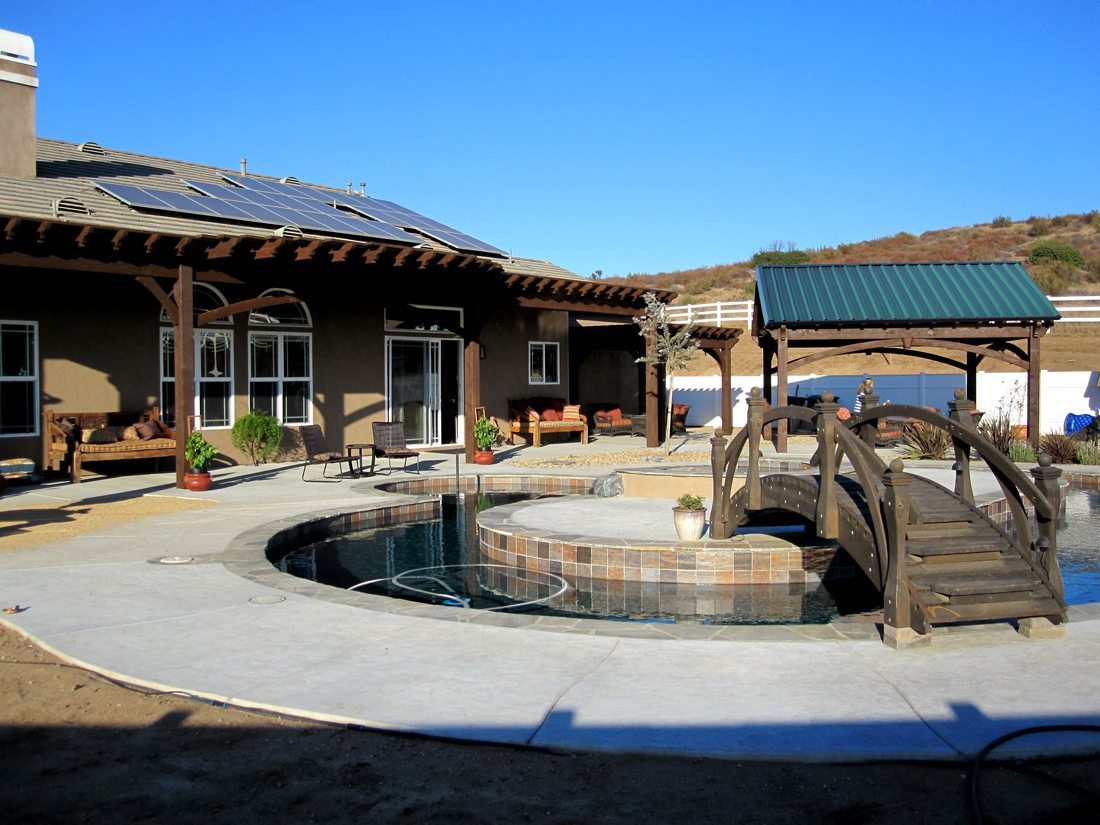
x=810 y=295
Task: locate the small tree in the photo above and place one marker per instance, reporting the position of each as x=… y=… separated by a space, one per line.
x=673 y=349
x=258 y=433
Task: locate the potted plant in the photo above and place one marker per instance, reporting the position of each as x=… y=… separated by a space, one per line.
x=199 y=453
x=258 y=433
x=485 y=435
x=690 y=517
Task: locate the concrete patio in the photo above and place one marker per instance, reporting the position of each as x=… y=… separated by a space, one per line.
x=272 y=642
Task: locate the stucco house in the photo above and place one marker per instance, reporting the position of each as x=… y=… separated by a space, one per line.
x=131 y=281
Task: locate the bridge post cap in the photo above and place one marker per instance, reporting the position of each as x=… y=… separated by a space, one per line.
x=897 y=466
x=828 y=397
x=755 y=392
x=1045 y=460
x=960 y=394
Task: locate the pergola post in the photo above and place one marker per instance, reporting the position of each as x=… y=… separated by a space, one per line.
x=184 y=330
x=471 y=379
x=725 y=360
x=652 y=404
x=972 y=360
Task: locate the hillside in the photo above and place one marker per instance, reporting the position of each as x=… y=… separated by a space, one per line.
x=1002 y=239
x=1067 y=347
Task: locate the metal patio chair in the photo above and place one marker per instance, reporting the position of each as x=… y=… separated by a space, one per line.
x=317 y=452
x=389 y=443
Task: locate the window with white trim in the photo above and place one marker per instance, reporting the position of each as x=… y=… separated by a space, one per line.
x=280 y=362
x=542 y=362
x=213 y=366
x=18 y=378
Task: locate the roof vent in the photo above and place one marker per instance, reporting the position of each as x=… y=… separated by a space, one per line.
x=90 y=147
x=292 y=232
x=290 y=179
x=68 y=207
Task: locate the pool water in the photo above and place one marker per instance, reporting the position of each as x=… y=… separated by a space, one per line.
x=1078 y=542
x=437 y=561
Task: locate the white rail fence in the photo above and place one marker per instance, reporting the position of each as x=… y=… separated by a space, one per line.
x=1077 y=309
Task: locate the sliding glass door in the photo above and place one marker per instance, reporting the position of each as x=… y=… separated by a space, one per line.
x=423 y=388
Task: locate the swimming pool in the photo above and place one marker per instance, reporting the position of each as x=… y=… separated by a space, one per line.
x=437 y=560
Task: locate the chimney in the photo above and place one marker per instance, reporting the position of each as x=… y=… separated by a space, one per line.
x=18 y=80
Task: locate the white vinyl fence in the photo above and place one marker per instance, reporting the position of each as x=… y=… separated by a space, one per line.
x=1061 y=393
x=1078 y=309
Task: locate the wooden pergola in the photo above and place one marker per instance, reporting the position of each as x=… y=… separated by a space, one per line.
x=1007 y=330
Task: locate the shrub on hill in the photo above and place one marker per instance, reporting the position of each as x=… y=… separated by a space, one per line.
x=1052 y=250
x=780 y=257
x=1001 y=221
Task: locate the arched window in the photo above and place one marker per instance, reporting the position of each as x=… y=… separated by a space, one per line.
x=213 y=365
x=280 y=361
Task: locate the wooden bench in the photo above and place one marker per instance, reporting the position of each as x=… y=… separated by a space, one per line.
x=64 y=444
x=523 y=422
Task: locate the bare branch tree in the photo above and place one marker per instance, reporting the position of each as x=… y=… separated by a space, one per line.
x=671 y=348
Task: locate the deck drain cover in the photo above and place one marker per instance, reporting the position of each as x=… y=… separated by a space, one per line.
x=176 y=560
x=266 y=599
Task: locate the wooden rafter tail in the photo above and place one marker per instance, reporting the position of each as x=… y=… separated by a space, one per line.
x=307 y=251
x=223 y=248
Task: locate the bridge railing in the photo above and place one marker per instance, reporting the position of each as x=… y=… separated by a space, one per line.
x=1041 y=491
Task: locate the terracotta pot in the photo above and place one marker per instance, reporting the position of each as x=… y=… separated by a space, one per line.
x=689 y=523
x=483 y=457
x=1019 y=432
x=197 y=482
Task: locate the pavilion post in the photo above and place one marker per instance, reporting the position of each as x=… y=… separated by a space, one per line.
x=184 y=329
x=1033 y=382
x=972 y=360
x=781 y=394
x=471 y=381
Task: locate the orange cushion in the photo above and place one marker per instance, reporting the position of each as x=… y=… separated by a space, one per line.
x=571 y=412
x=550 y=415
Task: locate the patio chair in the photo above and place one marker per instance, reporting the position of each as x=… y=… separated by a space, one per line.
x=389 y=443
x=317 y=452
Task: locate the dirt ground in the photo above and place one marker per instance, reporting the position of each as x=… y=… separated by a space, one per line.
x=75 y=747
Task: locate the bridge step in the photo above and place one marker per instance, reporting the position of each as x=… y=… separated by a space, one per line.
x=942 y=530
x=978 y=578
x=992 y=611
x=971 y=541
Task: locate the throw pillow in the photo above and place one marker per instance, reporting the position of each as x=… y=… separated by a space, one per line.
x=104 y=435
x=130 y=433
x=550 y=415
x=571 y=412
x=147 y=430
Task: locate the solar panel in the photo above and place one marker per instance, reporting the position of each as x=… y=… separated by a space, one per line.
x=276 y=209
x=375 y=208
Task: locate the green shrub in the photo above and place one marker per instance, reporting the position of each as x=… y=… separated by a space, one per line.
x=258 y=434
x=1021 y=452
x=1059 y=221
x=198 y=452
x=1060 y=447
x=1054 y=250
x=1039 y=227
x=1088 y=453
x=690 y=502
x=780 y=257
x=925 y=441
x=1002 y=221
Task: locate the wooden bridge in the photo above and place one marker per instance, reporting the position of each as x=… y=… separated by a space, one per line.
x=936 y=558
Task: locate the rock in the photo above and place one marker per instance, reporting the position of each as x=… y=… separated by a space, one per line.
x=608 y=486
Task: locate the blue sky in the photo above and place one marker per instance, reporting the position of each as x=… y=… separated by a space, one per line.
x=625 y=137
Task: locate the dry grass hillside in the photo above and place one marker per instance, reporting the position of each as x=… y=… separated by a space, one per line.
x=1062 y=272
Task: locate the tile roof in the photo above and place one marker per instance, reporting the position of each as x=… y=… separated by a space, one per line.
x=836 y=295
